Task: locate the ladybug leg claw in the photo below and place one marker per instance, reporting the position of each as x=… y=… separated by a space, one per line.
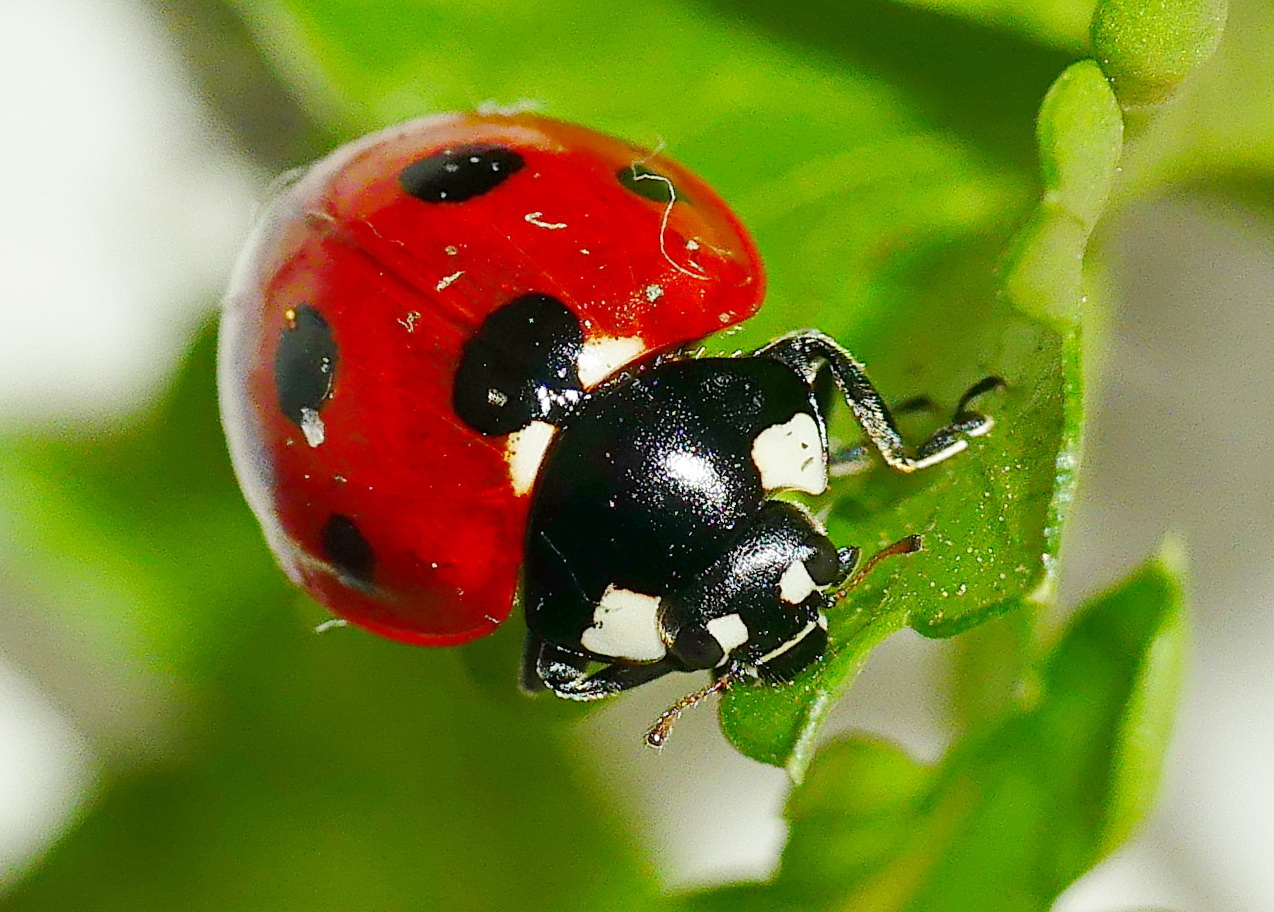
x=852 y=460
x=808 y=352
x=565 y=672
x=964 y=423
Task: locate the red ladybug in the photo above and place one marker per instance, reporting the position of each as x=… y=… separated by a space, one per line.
x=453 y=367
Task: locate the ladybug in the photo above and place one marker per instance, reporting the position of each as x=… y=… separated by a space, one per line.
x=455 y=367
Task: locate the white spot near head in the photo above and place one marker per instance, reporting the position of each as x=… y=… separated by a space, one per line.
x=796 y=584
x=524 y=451
x=730 y=633
x=625 y=626
x=790 y=456
x=654 y=293
x=602 y=357
x=312 y=427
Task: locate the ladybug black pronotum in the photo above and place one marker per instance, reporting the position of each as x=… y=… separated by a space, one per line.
x=453 y=367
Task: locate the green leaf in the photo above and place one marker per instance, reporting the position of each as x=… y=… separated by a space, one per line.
x=114 y=527
x=1147 y=50
x=991 y=517
x=336 y=771
x=1218 y=137
x=1080 y=133
x=1019 y=808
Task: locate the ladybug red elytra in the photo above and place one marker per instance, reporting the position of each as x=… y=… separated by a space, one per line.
x=453 y=367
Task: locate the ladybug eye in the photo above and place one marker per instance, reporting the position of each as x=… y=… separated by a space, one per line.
x=648 y=184
x=697 y=648
x=460 y=174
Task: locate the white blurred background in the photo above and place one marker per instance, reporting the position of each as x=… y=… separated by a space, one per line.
x=124 y=205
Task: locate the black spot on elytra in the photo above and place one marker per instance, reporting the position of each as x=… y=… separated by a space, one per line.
x=520 y=366
x=348 y=551
x=460 y=174
x=649 y=184
x=304 y=364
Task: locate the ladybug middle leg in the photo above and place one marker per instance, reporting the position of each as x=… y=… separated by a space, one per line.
x=850 y=460
x=809 y=352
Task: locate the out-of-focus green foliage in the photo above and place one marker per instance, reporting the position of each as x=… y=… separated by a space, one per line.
x=1063 y=23
x=888 y=160
x=315 y=772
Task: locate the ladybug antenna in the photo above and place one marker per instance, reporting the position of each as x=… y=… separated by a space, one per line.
x=909 y=545
x=657 y=734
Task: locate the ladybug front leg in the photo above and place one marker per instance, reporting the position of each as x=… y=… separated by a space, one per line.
x=565 y=672
x=809 y=351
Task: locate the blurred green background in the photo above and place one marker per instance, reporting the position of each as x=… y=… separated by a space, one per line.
x=181 y=739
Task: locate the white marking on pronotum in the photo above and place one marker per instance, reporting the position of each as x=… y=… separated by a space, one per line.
x=536 y=219
x=602 y=357
x=447 y=280
x=330 y=624
x=524 y=451
x=789 y=456
x=730 y=633
x=796 y=584
x=312 y=427
x=790 y=644
x=410 y=320
x=654 y=293
x=625 y=626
